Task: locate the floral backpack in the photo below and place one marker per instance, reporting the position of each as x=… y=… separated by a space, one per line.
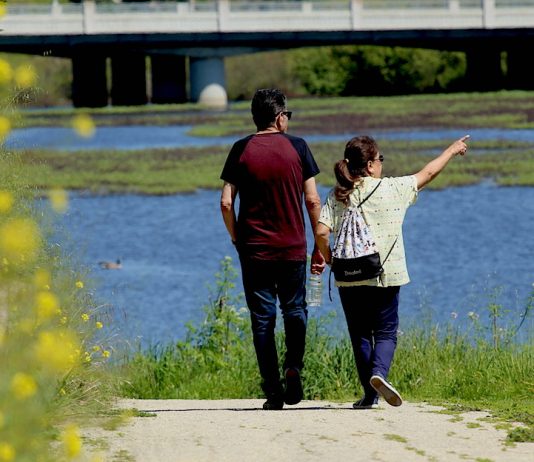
x=355 y=255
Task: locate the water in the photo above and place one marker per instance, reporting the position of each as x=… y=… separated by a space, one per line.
x=460 y=244
x=150 y=137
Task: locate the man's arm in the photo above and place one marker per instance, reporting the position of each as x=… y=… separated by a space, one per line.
x=313 y=206
x=229 y=191
x=434 y=167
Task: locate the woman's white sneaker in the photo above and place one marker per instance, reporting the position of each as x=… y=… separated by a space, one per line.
x=386 y=390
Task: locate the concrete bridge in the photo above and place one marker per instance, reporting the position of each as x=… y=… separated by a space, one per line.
x=189 y=40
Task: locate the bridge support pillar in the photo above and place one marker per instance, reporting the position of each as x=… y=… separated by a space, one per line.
x=168 y=79
x=89 y=82
x=208 y=83
x=520 y=75
x=128 y=80
x=484 y=71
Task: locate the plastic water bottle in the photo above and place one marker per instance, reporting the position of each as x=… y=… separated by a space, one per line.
x=314 y=292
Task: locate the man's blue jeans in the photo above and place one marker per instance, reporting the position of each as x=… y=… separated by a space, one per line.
x=373 y=319
x=264 y=281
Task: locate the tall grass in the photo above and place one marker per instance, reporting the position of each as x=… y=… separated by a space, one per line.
x=217 y=360
x=52 y=349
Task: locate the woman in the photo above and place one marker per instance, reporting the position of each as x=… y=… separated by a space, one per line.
x=371 y=306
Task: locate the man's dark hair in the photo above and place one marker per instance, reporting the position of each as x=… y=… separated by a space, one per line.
x=267 y=103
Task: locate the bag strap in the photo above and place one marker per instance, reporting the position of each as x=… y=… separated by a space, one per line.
x=370 y=194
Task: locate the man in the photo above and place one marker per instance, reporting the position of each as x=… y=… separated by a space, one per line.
x=272 y=172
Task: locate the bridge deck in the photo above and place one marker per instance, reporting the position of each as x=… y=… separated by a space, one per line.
x=224 y=16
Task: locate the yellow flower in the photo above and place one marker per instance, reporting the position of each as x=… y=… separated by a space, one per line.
x=79 y=284
x=72 y=442
x=27 y=326
x=47 y=305
x=96 y=348
x=25 y=76
x=6 y=73
x=106 y=354
x=5 y=127
x=83 y=125
x=56 y=349
x=85 y=317
x=20 y=240
x=7 y=452
x=59 y=200
x=23 y=385
x=63 y=320
x=42 y=279
x=99 y=325
x=2 y=9
x=87 y=357
x=6 y=201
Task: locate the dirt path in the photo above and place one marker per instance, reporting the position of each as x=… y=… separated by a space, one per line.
x=238 y=430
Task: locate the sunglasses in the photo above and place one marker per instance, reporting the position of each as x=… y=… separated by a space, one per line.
x=380 y=158
x=287 y=114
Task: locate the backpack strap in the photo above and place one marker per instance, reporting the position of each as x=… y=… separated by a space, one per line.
x=370 y=194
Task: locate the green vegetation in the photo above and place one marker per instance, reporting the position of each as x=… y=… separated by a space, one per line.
x=506 y=109
x=463 y=370
x=52 y=349
x=170 y=171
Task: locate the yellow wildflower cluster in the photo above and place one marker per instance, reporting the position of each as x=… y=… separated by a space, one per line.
x=57 y=349
x=20 y=240
x=59 y=200
x=47 y=318
x=83 y=125
x=72 y=442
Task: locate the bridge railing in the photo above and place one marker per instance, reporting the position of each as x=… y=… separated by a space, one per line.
x=263 y=15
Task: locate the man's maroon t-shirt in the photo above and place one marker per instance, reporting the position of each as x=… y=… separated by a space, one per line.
x=269 y=171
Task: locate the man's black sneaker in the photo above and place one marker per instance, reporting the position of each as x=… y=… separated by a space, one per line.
x=366 y=403
x=273 y=404
x=293 y=393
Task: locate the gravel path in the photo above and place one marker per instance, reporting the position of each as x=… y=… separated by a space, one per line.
x=238 y=430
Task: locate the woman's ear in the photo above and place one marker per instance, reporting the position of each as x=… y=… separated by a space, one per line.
x=369 y=168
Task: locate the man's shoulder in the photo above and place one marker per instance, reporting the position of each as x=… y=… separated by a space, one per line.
x=243 y=141
x=294 y=139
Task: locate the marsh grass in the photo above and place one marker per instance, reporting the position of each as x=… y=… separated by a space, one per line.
x=504 y=109
x=461 y=369
x=166 y=171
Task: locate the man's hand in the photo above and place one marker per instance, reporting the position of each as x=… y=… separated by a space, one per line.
x=318 y=262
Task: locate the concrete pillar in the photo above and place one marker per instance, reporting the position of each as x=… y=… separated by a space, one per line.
x=484 y=72
x=168 y=79
x=520 y=75
x=128 y=80
x=89 y=82
x=208 y=83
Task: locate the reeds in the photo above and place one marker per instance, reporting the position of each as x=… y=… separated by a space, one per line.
x=454 y=364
